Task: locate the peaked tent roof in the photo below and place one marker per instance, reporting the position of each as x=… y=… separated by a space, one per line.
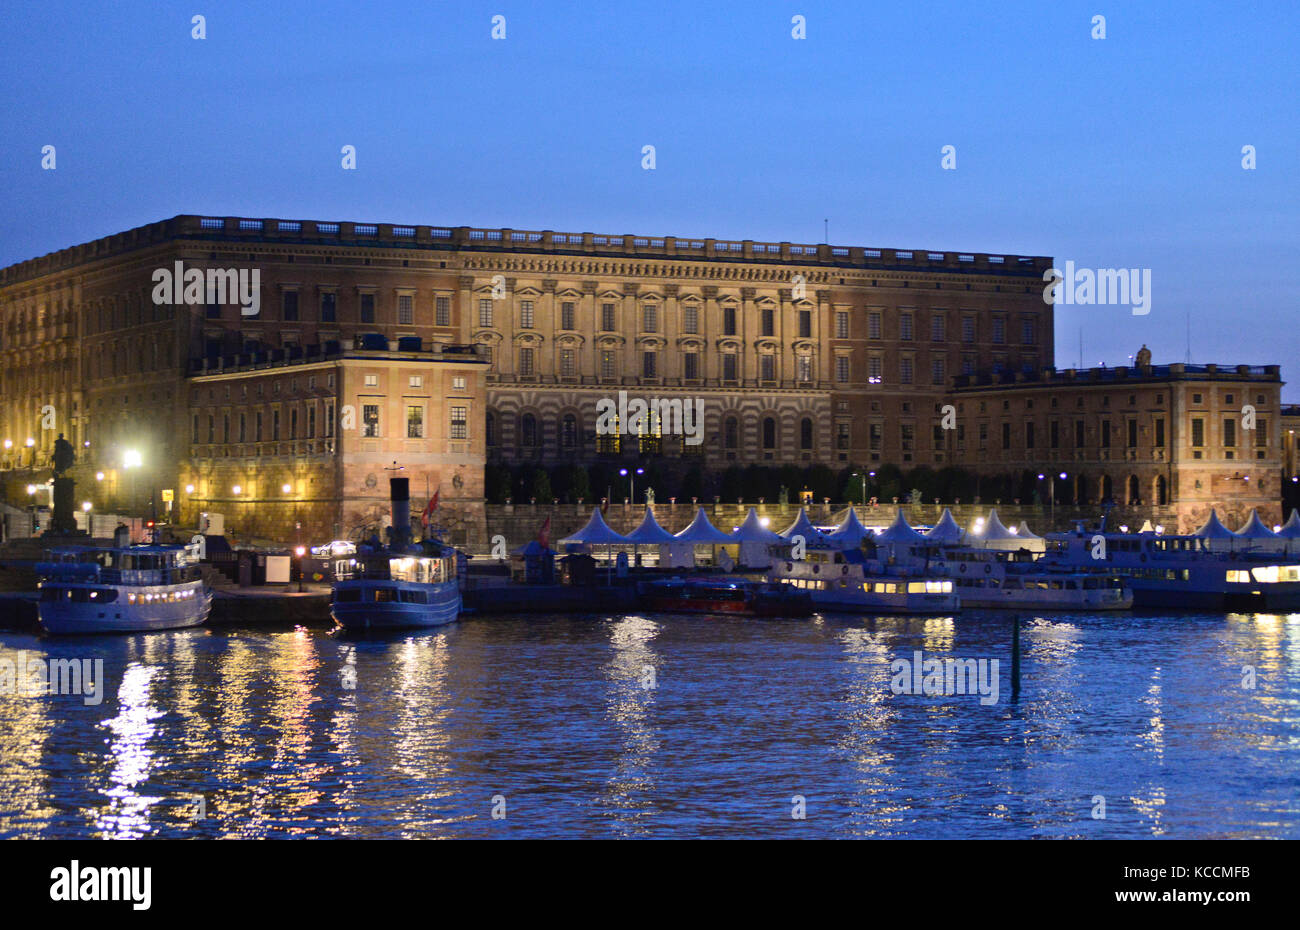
x=850 y=532
x=900 y=531
x=753 y=531
x=993 y=528
x=1291 y=528
x=802 y=526
x=946 y=530
x=596 y=532
x=649 y=533
x=1254 y=528
x=1024 y=532
x=702 y=532
x=1214 y=529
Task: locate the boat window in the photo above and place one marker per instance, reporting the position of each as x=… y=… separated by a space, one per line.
x=383 y=595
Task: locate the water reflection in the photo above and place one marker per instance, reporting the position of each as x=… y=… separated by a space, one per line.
x=632 y=681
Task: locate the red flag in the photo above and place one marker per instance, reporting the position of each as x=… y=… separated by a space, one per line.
x=429 y=508
x=544 y=534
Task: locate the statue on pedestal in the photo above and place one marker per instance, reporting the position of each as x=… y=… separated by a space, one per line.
x=63 y=520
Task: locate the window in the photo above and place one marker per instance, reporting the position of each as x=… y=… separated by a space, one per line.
x=907 y=433
x=567 y=315
x=806 y=434
x=370 y=420
x=257 y=426
x=329 y=307
x=528 y=430
x=1198 y=432
x=194 y=428
x=367 y=308
x=691 y=319
x=1229 y=432
x=293 y=422
x=767 y=367
x=1054 y=434
x=1028 y=336
x=569 y=431
x=805 y=324
x=803 y=368
x=1006 y=436
x=691 y=365
x=414 y=421
x=212 y=311
x=769 y=433
x=842 y=369
x=1132 y=434
x=459 y=423
x=1029 y=435
x=905 y=370
x=729 y=366
x=275 y=423
x=525 y=361
x=729 y=321
x=1160 y=432
x=526 y=314
x=442 y=311
x=406 y=310
x=905 y=327
x=730 y=433
x=937 y=327
x=876 y=436
x=415 y=381
x=999 y=330
x=1079 y=434
x=768 y=321
x=485 y=311
x=873 y=324
x=458 y=383
x=290 y=305
x=1105 y=434
x=311 y=421
x=968 y=329
x=967 y=364
x=841 y=324
x=1261 y=433
x=225 y=427
x=490 y=429
x=875 y=369
x=607 y=364
x=937 y=373
x=648 y=364
x=607 y=318
x=329 y=421
x=243 y=431
x=371 y=381
x=843 y=435
x=566 y=363
x=649 y=319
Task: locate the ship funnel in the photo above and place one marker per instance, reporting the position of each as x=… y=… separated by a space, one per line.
x=400 y=494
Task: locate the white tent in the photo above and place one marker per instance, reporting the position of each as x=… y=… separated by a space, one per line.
x=700 y=532
x=1260 y=536
x=755 y=541
x=901 y=532
x=802 y=526
x=993 y=535
x=850 y=533
x=596 y=532
x=650 y=533
x=946 y=531
x=1291 y=528
x=1024 y=532
x=1219 y=536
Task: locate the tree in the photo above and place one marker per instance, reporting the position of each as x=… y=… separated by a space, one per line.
x=540 y=485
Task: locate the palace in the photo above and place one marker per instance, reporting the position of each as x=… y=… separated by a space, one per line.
x=447 y=348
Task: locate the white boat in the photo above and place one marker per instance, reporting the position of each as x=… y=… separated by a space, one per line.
x=128 y=589
x=399 y=586
x=990 y=579
x=1185 y=571
x=845 y=580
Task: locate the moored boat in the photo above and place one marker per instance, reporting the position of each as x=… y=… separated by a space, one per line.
x=122 y=589
x=724 y=596
x=845 y=580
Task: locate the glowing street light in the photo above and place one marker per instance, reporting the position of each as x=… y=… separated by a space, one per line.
x=189 y=489
x=132 y=459
x=85 y=506
x=286 y=488
x=99 y=476
x=30 y=442
x=237 y=489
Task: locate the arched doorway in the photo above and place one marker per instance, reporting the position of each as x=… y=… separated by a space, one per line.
x=1134 y=491
x=1080 y=489
x=1161 y=495
x=1105 y=492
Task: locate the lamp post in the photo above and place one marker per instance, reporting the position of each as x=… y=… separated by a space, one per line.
x=631 y=477
x=298 y=549
x=858 y=474
x=31 y=505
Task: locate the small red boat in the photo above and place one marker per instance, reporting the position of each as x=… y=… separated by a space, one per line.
x=746 y=598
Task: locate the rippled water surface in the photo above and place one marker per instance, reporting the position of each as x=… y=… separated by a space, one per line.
x=664 y=726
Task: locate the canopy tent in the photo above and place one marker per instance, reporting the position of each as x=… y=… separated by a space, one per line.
x=700 y=532
x=1260 y=536
x=1024 y=532
x=993 y=535
x=596 y=532
x=755 y=541
x=802 y=526
x=650 y=533
x=1146 y=527
x=901 y=532
x=1291 y=528
x=850 y=533
x=946 y=531
x=1219 y=536
x=533 y=563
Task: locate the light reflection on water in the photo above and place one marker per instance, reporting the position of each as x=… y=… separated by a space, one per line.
x=665 y=726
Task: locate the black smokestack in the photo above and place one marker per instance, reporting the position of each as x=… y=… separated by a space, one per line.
x=400 y=493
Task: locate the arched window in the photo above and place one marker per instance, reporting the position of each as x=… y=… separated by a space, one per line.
x=769 y=433
x=490 y=430
x=528 y=431
x=1162 y=491
x=806 y=433
x=569 y=432
x=730 y=433
x=1080 y=489
x=1107 y=492
x=1134 y=490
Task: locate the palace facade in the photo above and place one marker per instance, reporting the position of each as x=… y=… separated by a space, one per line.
x=797 y=354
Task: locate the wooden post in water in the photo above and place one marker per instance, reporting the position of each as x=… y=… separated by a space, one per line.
x=1015 y=657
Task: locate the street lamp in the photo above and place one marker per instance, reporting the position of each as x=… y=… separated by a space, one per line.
x=631 y=477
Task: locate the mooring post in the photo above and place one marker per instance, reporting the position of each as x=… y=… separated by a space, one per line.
x=1015 y=657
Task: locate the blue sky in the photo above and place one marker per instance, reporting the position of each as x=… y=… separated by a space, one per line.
x=1122 y=152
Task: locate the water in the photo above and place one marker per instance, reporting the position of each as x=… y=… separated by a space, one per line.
x=553 y=718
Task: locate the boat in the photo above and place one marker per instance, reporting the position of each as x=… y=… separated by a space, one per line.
x=846 y=580
x=989 y=579
x=401 y=585
x=122 y=589
x=1184 y=570
x=724 y=596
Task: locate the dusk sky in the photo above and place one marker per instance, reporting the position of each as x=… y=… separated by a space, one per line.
x=1122 y=152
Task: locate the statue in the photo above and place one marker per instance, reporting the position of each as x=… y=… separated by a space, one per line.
x=650 y=497
x=1143 y=357
x=63 y=521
